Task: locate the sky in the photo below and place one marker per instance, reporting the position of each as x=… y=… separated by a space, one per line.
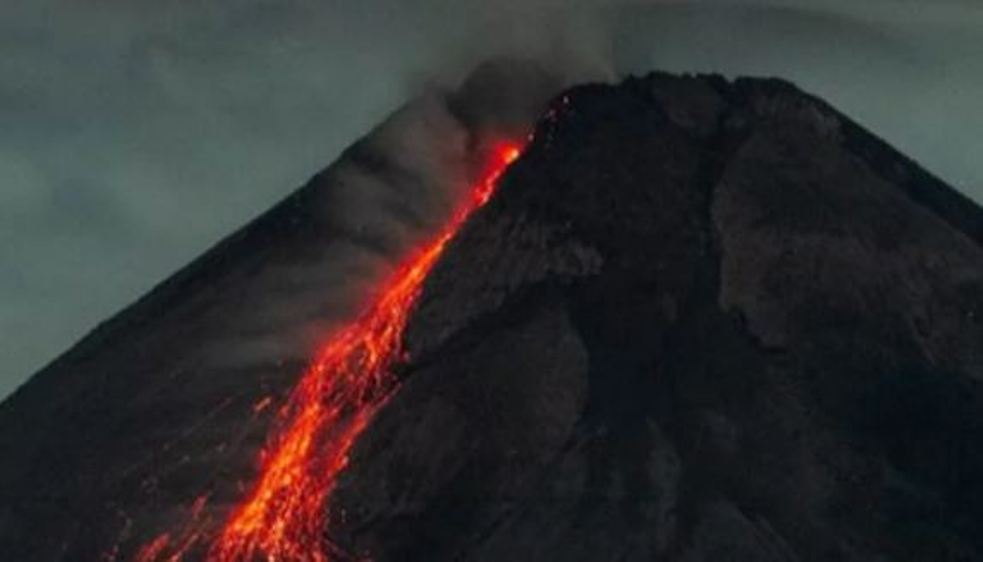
x=136 y=134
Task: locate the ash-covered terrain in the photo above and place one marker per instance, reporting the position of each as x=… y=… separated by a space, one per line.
x=699 y=320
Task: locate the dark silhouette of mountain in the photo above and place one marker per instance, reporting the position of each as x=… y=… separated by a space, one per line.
x=700 y=320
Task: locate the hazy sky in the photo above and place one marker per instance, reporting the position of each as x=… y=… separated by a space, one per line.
x=135 y=134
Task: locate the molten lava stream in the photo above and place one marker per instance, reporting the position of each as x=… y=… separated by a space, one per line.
x=283 y=518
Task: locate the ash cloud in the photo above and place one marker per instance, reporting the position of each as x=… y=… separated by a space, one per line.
x=387 y=193
x=184 y=120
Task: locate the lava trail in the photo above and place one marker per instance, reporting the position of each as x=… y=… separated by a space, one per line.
x=284 y=516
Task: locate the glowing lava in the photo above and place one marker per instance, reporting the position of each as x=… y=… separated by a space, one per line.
x=284 y=516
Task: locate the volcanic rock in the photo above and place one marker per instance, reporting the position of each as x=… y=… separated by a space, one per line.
x=700 y=320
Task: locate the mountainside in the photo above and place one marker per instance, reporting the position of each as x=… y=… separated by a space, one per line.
x=700 y=320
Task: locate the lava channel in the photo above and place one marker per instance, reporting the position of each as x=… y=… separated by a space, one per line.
x=284 y=517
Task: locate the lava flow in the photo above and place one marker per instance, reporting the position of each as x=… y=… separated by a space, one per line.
x=284 y=516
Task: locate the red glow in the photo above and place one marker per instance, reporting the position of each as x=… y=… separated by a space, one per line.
x=153 y=549
x=262 y=405
x=284 y=516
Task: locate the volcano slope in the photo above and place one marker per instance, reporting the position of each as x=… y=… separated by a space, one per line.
x=141 y=440
x=700 y=320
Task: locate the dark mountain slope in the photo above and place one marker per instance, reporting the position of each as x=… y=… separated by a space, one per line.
x=700 y=321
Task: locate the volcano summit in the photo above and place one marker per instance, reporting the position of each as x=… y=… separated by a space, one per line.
x=685 y=319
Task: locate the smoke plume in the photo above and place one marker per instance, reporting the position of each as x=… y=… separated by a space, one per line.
x=386 y=193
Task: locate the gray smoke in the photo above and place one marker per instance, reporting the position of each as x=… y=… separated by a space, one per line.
x=388 y=192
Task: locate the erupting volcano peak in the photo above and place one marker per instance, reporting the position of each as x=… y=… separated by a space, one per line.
x=703 y=317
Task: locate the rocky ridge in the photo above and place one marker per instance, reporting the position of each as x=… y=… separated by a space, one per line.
x=701 y=321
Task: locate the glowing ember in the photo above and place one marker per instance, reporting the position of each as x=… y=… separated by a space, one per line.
x=283 y=518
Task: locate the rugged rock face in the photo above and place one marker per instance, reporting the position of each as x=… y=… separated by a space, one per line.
x=700 y=321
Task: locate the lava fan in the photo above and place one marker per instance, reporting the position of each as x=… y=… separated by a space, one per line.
x=283 y=516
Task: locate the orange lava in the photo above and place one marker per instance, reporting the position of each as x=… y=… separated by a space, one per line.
x=284 y=517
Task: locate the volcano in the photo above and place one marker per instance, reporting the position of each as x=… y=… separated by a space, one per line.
x=678 y=318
